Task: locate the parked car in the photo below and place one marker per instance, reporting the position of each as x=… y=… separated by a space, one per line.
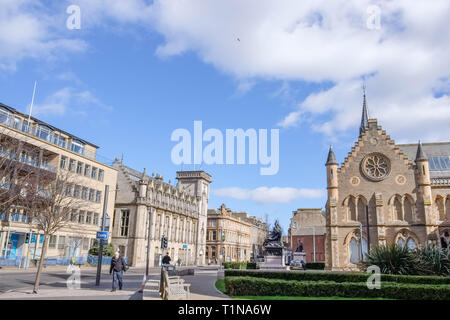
x=296 y=265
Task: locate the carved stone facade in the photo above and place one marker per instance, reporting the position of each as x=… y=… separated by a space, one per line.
x=177 y=212
x=234 y=236
x=390 y=193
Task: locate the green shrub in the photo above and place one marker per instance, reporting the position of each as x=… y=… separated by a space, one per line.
x=108 y=250
x=315 y=265
x=251 y=265
x=393 y=259
x=336 y=276
x=235 y=265
x=252 y=286
x=432 y=260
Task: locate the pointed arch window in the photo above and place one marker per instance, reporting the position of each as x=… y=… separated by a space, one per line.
x=408 y=209
x=398 y=214
x=440 y=208
x=356 y=250
x=352 y=216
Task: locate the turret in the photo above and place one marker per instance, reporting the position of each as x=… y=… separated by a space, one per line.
x=332 y=179
x=423 y=171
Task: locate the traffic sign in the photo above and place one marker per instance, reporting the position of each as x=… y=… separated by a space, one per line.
x=102 y=235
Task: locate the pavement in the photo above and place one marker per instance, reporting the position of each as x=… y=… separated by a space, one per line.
x=16 y=284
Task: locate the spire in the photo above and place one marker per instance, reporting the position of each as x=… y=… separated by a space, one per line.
x=421 y=155
x=331 y=157
x=365 y=114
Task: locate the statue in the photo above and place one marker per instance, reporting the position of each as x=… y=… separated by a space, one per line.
x=274 y=237
x=300 y=247
x=273 y=244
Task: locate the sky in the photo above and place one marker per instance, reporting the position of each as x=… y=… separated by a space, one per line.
x=132 y=72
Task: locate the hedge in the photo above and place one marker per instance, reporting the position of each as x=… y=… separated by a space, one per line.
x=251 y=286
x=235 y=265
x=315 y=265
x=336 y=276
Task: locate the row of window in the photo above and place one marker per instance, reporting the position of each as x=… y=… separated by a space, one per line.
x=60 y=242
x=84 y=217
x=84 y=193
x=41 y=131
x=81 y=168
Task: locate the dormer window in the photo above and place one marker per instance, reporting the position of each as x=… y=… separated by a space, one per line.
x=44 y=132
x=77 y=146
x=5 y=116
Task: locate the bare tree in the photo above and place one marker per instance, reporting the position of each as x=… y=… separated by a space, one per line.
x=51 y=207
x=18 y=163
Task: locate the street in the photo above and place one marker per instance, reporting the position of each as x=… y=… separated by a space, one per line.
x=18 y=284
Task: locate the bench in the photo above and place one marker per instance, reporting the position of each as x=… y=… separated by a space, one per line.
x=173 y=288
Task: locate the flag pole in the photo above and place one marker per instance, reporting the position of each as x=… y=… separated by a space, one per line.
x=32 y=102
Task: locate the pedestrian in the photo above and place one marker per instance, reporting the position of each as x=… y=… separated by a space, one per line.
x=118 y=266
x=166 y=259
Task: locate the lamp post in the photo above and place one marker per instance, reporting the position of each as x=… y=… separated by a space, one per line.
x=102 y=228
x=147 y=264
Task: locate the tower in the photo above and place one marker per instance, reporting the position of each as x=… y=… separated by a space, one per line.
x=197 y=183
x=332 y=251
x=424 y=184
x=365 y=114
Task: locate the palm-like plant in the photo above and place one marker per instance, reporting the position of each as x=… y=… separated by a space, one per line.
x=391 y=259
x=432 y=260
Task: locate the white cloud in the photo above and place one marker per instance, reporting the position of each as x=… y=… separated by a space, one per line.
x=314 y=41
x=268 y=195
x=405 y=62
x=28 y=31
x=68 y=101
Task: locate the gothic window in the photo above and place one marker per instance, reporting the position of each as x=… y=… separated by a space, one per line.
x=411 y=244
x=361 y=215
x=445 y=239
x=400 y=242
x=447 y=208
x=351 y=210
x=375 y=166
x=407 y=208
x=405 y=239
x=356 y=250
x=398 y=214
x=440 y=208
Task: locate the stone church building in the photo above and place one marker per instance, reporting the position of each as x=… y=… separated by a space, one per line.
x=385 y=193
x=177 y=212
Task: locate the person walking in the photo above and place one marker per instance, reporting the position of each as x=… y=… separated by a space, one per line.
x=118 y=266
x=166 y=259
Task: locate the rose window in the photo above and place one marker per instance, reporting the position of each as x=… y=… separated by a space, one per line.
x=376 y=166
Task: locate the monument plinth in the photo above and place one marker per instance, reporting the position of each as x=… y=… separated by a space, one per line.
x=274 y=250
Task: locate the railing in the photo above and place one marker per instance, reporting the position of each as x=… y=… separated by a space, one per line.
x=28 y=161
x=105 y=260
x=49 y=137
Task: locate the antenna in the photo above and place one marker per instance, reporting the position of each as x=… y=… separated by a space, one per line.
x=32 y=102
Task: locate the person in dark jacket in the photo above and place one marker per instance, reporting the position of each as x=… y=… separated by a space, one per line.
x=166 y=259
x=118 y=266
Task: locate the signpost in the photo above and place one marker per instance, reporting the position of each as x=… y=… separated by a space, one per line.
x=101 y=240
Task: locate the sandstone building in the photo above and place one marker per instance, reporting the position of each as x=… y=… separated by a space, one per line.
x=58 y=151
x=385 y=193
x=177 y=212
x=307 y=226
x=233 y=236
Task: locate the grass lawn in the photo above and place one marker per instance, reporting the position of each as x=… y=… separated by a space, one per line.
x=220 y=285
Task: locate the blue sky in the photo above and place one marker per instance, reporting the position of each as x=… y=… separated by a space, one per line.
x=138 y=70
